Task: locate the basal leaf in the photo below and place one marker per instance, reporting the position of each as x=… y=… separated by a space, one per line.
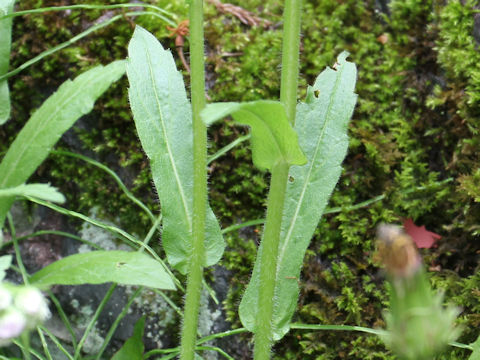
x=5 y=262
x=133 y=348
x=476 y=350
x=163 y=118
x=39 y=191
x=98 y=267
x=321 y=124
x=273 y=138
x=6 y=7
x=56 y=115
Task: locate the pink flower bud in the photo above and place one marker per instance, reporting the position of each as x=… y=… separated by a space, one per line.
x=12 y=323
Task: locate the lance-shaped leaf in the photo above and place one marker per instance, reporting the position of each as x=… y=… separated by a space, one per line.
x=56 y=115
x=5 y=262
x=476 y=350
x=6 y=7
x=273 y=138
x=321 y=124
x=133 y=348
x=98 y=267
x=39 y=191
x=163 y=118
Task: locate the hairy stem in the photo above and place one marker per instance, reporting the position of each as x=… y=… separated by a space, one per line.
x=195 y=266
x=268 y=261
x=290 y=51
x=278 y=184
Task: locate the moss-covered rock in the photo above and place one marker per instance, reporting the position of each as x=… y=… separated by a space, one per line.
x=414 y=142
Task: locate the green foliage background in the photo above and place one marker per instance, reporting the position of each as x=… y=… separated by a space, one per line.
x=414 y=139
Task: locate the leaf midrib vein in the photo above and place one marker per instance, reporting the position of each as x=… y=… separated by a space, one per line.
x=310 y=170
x=167 y=144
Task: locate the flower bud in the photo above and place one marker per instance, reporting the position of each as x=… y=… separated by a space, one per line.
x=418 y=324
x=397 y=252
x=31 y=302
x=12 y=324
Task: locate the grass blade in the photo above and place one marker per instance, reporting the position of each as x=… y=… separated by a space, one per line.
x=6 y=7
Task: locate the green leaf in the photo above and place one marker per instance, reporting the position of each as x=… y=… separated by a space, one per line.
x=56 y=115
x=163 y=118
x=321 y=124
x=98 y=267
x=5 y=262
x=273 y=138
x=6 y=7
x=476 y=350
x=39 y=191
x=133 y=348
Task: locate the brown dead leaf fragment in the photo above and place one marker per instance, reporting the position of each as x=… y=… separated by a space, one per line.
x=382 y=39
x=245 y=16
x=180 y=32
x=422 y=237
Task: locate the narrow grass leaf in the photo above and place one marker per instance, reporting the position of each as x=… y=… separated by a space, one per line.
x=273 y=138
x=39 y=191
x=321 y=124
x=56 y=115
x=163 y=119
x=133 y=348
x=98 y=267
x=6 y=7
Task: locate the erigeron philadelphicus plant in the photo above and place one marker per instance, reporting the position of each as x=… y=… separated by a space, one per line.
x=305 y=143
x=302 y=145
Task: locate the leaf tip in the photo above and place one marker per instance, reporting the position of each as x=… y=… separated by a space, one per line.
x=342 y=58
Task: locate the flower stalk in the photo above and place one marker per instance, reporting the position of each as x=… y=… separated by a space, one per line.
x=195 y=271
x=278 y=184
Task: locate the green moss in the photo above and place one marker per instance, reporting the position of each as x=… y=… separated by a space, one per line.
x=414 y=139
x=245 y=60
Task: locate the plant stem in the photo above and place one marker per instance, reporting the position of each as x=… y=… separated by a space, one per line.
x=117 y=321
x=93 y=320
x=195 y=266
x=18 y=254
x=290 y=51
x=268 y=261
x=278 y=185
x=25 y=339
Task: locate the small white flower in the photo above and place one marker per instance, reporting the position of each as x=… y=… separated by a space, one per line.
x=12 y=323
x=31 y=302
